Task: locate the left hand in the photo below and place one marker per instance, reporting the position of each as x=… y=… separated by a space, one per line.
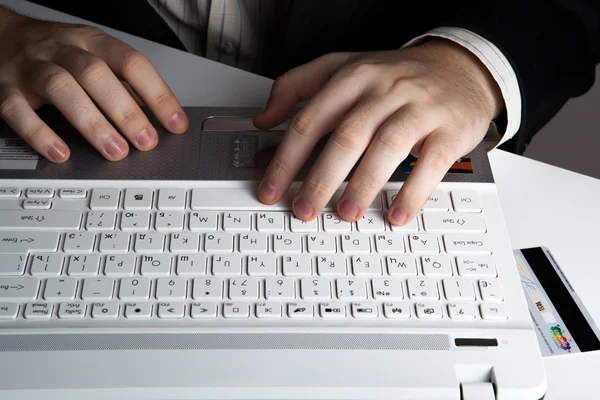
x=434 y=101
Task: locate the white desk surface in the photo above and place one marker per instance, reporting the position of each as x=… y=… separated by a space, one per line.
x=543 y=205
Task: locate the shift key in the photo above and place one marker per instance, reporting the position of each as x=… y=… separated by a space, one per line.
x=40 y=220
x=24 y=242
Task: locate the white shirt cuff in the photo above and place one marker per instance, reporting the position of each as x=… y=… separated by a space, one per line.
x=495 y=62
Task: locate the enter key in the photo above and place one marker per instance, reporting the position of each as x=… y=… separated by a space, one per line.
x=454 y=222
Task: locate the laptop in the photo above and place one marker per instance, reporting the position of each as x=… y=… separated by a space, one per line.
x=162 y=276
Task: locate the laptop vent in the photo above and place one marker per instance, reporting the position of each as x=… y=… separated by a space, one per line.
x=224 y=341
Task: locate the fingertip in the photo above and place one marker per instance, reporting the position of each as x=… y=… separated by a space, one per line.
x=303 y=209
x=58 y=153
x=348 y=210
x=178 y=123
x=398 y=216
x=267 y=193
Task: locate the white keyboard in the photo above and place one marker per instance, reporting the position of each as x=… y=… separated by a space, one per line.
x=201 y=255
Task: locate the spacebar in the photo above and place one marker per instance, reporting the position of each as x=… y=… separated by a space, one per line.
x=245 y=199
x=40 y=220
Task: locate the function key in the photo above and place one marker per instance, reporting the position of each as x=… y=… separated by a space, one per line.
x=40 y=193
x=9 y=192
x=104 y=199
x=72 y=193
x=138 y=199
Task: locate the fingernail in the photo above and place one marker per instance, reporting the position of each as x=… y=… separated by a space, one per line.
x=177 y=122
x=57 y=152
x=114 y=147
x=267 y=191
x=145 y=138
x=399 y=216
x=348 y=210
x=303 y=209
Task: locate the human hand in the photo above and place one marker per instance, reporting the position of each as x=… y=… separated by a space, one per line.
x=80 y=69
x=434 y=101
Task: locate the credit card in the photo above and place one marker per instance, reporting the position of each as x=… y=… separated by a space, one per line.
x=562 y=323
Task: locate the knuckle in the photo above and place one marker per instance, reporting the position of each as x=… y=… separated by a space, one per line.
x=131 y=61
x=164 y=99
x=300 y=125
x=279 y=167
x=361 y=67
x=93 y=68
x=57 y=81
x=440 y=157
x=127 y=117
x=8 y=104
x=31 y=136
x=390 y=140
x=346 y=139
x=317 y=188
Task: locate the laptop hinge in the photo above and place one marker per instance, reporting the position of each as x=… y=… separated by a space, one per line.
x=477 y=391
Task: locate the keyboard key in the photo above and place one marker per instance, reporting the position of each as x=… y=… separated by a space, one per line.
x=13 y=264
x=315 y=288
x=436 y=266
x=186 y=242
x=237 y=221
x=79 y=242
x=410 y=226
x=438 y=201
x=114 y=242
x=493 y=311
x=72 y=193
x=491 y=290
x=9 y=193
x=138 y=310
x=287 y=243
x=454 y=222
x=73 y=310
x=38 y=311
x=269 y=309
x=466 y=200
x=30 y=204
x=297 y=265
x=371 y=222
x=17 y=289
x=279 y=289
x=243 y=288
x=39 y=193
x=227 y=265
x=8 y=311
x=401 y=265
x=356 y=243
x=461 y=311
x=150 y=242
x=236 y=310
x=253 y=243
x=104 y=199
x=270 y=222
x=203 y=310
x=40 y=220
x=365 y=310
x=156 y=265
x=46 y=264
x=101 y=221
x=85 y=265
x=368 y=265
x=262 y=265
x=171 y=310
x=331 y=265
x=389 y=243
x=135 y=221
x=202 y=221
x=332 y=310
x=171 y=199
x=174 y=288
x=476 y=266
x=424 y=243
x=138 y=199
x=321 y=244
x=132 y=289
x=333 y=223
x=467 y=243
x=459 y=290
x=169 y=221
x=208 y=288
x=191 y=265
x=59 y=289
x=428 y=310
x=351 y=288
x=108 y=310
x=300 y=226
x=387 y=289
x=97 y=289
x=301 y=310
x=218 y=243
x=423 y=289
x=396 y=310
x=120 y=265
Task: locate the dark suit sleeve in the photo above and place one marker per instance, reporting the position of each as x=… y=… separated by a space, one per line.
x=553 y=47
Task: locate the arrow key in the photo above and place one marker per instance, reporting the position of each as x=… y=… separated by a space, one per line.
x=171 y=310
x=204 y=310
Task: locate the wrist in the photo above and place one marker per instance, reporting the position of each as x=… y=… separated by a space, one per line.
x=477 y=74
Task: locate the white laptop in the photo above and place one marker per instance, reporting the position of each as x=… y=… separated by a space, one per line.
x=163 y=277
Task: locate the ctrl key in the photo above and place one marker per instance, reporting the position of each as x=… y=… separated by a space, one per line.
x=8 y=311
x=38 y=311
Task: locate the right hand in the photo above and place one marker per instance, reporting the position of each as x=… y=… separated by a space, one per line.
x=79 y=69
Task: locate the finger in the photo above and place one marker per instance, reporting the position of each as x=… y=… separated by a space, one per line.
x=298 y=85
x=133 y=94
x=133 y=67
x=61 y=89
x=345 y=147
x=391 y=144
x=439 y=152
x=108 y=93
x=321 y=115
x=18 y=114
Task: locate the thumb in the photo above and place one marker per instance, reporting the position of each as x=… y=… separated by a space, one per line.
x=297 y=85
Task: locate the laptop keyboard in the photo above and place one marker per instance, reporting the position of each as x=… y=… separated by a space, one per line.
x=97 y=254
